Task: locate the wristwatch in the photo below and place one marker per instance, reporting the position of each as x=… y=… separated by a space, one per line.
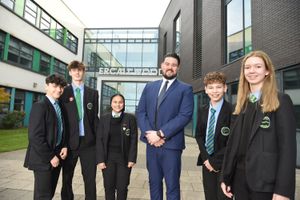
x=158 y=133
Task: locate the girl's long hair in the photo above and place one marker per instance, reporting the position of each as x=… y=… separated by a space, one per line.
x=269 y=92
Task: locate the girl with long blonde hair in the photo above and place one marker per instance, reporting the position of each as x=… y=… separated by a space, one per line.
x=260 y=158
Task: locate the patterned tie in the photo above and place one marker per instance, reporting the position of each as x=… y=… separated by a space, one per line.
x=162 y=93
x=211 y=133
x=252 y=98
x=59 y=123
x=78 y=103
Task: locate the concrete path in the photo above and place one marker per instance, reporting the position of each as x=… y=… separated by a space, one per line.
x=16 y=182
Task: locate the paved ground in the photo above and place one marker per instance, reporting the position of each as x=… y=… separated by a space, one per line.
x=16 y=182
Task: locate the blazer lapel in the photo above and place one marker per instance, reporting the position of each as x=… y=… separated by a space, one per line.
x=257 y=121
x=220 y=119
x=53 y=118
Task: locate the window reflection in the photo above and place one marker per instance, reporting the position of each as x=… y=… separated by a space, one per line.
x=291 y=85
x=239 y=37
x=130 y=90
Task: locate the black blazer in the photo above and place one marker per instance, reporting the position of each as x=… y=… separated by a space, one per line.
x=129 y=136
x=222 y=132
x=90 y=118
x=271 y=151
x=42 y=134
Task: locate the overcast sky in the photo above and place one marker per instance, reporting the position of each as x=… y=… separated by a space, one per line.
x=119 y=13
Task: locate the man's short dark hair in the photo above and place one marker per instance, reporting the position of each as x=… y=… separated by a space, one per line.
x=173 y=55
x=56 y=79
x=75 y=64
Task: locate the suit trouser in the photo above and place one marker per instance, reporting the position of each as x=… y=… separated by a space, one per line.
x=45 y=183
x=164 y=163
x=116 y=178
x=242 y=191
x=211 y=185
x=87 y=157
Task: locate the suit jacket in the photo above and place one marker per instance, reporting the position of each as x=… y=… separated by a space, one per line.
x=222 y=132
x=174 y=113
x=90 y=117
x=271 y=151
x=42 y=134
x=128 y=138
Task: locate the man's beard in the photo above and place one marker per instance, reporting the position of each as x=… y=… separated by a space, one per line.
x=169 y=77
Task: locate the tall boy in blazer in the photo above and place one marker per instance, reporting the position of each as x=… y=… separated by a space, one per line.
x=80 y=104
x=212 y=133
x=47 y=142
x=165 y=108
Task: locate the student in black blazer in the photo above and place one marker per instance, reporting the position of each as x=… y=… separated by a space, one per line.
x=47 y=144
x=260 y=159
x=80 y=106
x=212 y=147
x=116 y=147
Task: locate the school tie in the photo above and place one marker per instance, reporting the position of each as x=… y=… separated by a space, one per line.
x=78 y=103
x=211 y=133
x=252 y=98
x=59 y=123
x=162 y=93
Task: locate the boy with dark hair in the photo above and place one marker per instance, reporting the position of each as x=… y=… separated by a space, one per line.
x=212 y=133
x=47 y=144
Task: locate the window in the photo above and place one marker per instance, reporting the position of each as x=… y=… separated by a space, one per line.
x=2 y=42
x=291 y=86
x=4 y=106
x=59 y=36
x=30 y=12
x=37 y=97
x=20 y=53
x=45 y=23
x=165 y=44
x=177 y=34
x=60 y=68
x=72 y=42
x=8 y=3
x=239 y=41
x=45 y=64
x=19 y=100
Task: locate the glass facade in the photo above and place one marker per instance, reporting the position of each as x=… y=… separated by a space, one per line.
x=177 y=34
x=238 y=26
x=39 y=18
x=291 y=86
x=119 y=53
x=121 y=48
x=130 y=90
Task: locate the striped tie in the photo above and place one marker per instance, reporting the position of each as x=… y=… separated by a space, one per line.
x=211 y=133
x=59 y=123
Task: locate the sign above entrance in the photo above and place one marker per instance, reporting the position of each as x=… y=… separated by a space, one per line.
x=129 y=71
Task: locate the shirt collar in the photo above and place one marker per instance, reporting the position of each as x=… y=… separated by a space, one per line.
x=115 y=114
x=257 y=94
x=218 y=105
x=170 y=81
x=81 y=86
x=52 y=100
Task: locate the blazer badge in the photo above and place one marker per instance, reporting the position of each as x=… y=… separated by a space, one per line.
x=225 y=131
x=265 y=123
x=89 y=106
